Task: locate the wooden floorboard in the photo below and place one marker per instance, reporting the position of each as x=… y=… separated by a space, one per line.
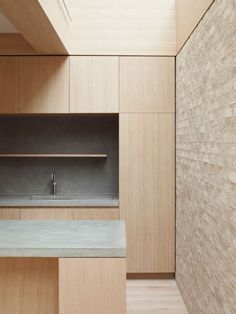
x=154 y=297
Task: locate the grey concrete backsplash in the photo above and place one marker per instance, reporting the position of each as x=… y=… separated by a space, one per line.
x=59 y=134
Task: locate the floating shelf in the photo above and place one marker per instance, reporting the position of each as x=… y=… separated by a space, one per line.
x=55 y=155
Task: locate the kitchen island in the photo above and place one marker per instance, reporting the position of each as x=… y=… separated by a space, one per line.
x=62 y=267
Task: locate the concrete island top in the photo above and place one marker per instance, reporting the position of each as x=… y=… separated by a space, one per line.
x=62 y=238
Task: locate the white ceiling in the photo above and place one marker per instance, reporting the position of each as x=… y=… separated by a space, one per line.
x=6 y=26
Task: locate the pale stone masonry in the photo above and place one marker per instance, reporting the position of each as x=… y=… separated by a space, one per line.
x=206 y=163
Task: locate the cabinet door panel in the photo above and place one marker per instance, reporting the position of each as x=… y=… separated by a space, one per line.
x=94 y=84
x=147 y=84
x=47 y=213
x=28 y=285
x=44 y=84
x=92 y=285
x=96 y=213
x=9 y=85
x=9 y=213
x=147 y=190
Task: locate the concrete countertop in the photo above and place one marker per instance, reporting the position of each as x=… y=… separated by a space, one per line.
x=62 y=238
x=60 y=200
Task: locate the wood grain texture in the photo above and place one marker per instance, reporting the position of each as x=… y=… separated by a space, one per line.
x=29 y=285
x=188 y=14
x=14 y=44
x=92 y=285
x=47 y=213
x=9 y=84
x=147 y=84
x=126 y=27
x=34 y=24
x=9 y=213
x=154 y=297
x=94 y=84
x=147 y=191
x=60 y=213
x=96 y=213
x=44 y=85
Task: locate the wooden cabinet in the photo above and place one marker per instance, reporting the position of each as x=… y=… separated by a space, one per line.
x=55 y=84
x=94 y=84
x=147 y=84
x=29 y=285
x=147 y=191
x=44 y=84
x=9 y=213
x=92 y=285
x=96 y=213
x=9 y=85
x=47 y=213
x=60 y=213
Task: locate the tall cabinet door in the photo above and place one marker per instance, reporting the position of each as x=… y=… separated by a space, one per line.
x=147 y=190
x=9 y=86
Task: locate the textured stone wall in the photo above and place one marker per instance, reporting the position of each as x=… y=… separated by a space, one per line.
x=206 y=164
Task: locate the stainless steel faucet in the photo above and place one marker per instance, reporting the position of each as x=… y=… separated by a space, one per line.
x=54 y=184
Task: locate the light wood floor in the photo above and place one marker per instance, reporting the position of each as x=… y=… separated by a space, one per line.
x=154 y=297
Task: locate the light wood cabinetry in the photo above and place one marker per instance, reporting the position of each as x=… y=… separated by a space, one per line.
x=147 y=191
x=47 y=213
x=79 y=213
x=146 y=151
x=93 y=84
x=60 y=213
x=96 y=213
x=9 y=213
x=44 y=84
x=62 y=285
x=9 y=84
x=31 y=283
x=147 y=84
x=99 y=285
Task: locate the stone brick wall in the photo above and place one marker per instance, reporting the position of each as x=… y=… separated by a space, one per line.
x=206 y=163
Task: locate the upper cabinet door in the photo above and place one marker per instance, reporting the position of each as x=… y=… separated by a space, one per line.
x=9 y=86
x=147 y=84
x=94 y=84
x=44 y=84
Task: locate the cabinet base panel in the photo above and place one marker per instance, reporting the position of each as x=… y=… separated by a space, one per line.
x=150 y=275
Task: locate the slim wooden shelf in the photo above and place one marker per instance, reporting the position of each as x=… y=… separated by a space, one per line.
x=55 y=155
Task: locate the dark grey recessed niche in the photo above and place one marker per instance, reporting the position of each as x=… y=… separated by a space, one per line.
x=59 y=134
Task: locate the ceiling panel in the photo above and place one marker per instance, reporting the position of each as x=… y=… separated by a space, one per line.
x=126 y=27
